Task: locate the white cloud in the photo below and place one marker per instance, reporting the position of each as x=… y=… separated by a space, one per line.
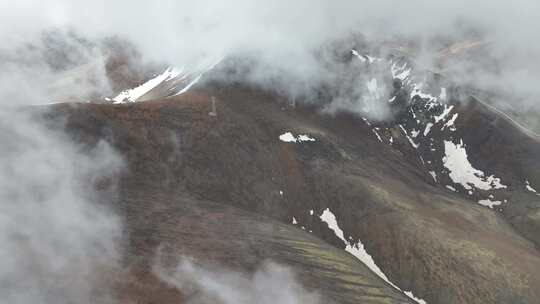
x=58 y=244
x=270 y=283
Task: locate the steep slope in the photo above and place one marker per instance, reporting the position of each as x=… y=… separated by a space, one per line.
x=466 y=145
x=160 y=212
x=423 y=237
x=220 y=236
x=171 y=82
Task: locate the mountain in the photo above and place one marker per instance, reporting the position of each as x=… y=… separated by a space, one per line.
x=437 y=205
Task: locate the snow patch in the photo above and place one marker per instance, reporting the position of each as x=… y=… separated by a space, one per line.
x=409 y=138
x=529 y=188
x=305 y=138
x=366 y=121
x=462 y=172
x=400 y=72
x=200 y=71
x=377 y=134
x=434 y=175
x=289 y=138
x=447 y=110
x=417 y=300
x=362 y=58
x=417 y=91
x=450 y=123
x=428 y=128
x=489 y=203
x=403 y=75
x=372 y=59
x=358 y=251
x=133 y=94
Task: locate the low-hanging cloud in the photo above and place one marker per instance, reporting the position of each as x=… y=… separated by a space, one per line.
x=58 y=244
x=286 y=42
x=270 y=283
x=55 y=66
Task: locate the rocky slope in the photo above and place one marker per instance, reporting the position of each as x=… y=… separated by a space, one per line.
x=262 y=180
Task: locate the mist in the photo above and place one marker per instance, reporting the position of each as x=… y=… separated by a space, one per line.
x=287 y=44
x=61 y=241
x=270 y=283
x=58 y=244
